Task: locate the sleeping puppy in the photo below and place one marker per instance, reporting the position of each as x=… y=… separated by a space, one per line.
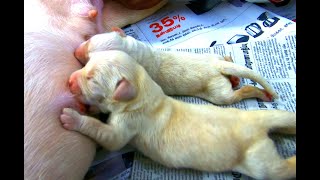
x=171 y=132
x=182 y=73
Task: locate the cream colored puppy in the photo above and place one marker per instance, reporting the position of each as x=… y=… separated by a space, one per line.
x=171 y=132
x=181 y=73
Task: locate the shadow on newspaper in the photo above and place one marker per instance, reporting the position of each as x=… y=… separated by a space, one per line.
x=117 y=167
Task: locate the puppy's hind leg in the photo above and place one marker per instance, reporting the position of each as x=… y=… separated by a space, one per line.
x=222 y=93
x=275 y=120
x=262 y=161
x=248 y=91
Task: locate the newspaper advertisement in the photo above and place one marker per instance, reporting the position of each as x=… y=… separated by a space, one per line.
x=253 y=36
x=177 y=26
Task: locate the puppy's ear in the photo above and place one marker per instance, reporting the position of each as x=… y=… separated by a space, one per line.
x=125 y=91
x=119 y=31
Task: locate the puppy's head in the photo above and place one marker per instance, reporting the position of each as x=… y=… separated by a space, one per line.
x=109 y=78
x=100 y=42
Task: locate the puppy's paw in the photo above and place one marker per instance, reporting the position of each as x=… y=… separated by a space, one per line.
x=71 y=119
x=267 y=96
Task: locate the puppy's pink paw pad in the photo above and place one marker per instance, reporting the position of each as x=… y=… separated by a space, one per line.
x=268 y=97
x=70 y=120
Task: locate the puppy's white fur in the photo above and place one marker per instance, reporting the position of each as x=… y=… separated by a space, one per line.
x=174 y=133
x=181 y=73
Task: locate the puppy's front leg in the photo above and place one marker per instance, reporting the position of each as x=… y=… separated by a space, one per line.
x=110 y=137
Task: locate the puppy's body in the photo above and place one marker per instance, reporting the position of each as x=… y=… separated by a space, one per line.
x=171 y=132
x=181 y=73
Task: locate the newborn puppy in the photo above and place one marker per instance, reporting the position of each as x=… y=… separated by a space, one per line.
x=181 y=73
x=174 y=133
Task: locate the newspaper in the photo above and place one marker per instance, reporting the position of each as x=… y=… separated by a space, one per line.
x=111 y=165
x=176 y=26
x=253 y=36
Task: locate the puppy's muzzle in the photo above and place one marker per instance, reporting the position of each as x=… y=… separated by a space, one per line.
x=73 y=83
x=81 y=53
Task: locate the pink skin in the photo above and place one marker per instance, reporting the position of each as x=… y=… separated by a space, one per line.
x=68 y=122
x=75 y=90
x=268 y=96
x=139 y=4
x=73 y=83
x=50 y=150
x=54 y=28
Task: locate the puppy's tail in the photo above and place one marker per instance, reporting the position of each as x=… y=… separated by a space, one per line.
x=275 y=120
x=228 y=68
